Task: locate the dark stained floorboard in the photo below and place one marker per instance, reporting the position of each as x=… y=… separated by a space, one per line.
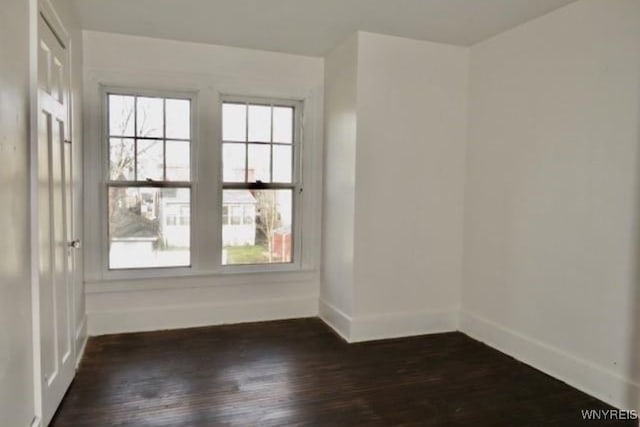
x=297 y=372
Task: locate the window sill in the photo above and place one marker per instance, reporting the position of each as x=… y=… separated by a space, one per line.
x=187 y=279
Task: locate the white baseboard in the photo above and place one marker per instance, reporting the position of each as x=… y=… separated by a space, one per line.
x=175 y=317
x=387 y=325
x=396 y=325
x=592 y=379
x=81 y=340
x=336 y=319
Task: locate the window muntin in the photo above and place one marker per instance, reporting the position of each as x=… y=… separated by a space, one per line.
x=160 y=147
x=149 y=187
x=258 y=159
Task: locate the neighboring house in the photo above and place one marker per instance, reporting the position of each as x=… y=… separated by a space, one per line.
x=238 y=218
x=175 y=220
x=133 y=227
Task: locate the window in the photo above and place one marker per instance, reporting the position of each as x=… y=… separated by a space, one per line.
x=259 y=189
x=149 y=181
x=149 y=185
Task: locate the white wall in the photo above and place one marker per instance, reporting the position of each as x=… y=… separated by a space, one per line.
x=412 y=106
x=206 y=295
x=552 y=196
x=396 y=237
x=338 y=232
x=16 y=366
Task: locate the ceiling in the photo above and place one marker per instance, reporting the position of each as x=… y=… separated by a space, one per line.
x=308 y=27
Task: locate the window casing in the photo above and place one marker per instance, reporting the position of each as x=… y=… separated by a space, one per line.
x=261 y=185
x=148 y=179
x=192 y=209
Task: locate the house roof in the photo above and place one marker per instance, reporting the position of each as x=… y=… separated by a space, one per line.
x=238 y=197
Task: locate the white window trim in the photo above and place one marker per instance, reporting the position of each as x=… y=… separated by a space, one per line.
x=142 y=272
x=297 y=175
x=304 y=258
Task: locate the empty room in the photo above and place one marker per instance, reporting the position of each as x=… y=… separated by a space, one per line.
x=319 y=213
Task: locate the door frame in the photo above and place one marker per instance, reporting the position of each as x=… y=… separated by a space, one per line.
x=45 y=9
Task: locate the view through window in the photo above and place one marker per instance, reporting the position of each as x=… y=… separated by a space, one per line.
x=149 y=181
x=258 y=149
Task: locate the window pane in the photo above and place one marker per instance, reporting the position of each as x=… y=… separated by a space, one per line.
x=259 y=160
x=249 y=214
x=236 y=215
x=121 y=159
x=178 y=160
x=267 y=238
x=259 y=123
x=121 y=117
x=178 y=117
x=282 y=165
x=283 y=124
x=234 y=122
x=150 y=160
x=225 y=215
x=150 y=112
x=149 y=227
x=233 y=161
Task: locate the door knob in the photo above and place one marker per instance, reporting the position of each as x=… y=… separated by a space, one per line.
x=75 y=244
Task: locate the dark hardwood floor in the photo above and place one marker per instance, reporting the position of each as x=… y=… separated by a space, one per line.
x=297 y=372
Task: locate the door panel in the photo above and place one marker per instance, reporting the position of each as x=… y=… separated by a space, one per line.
x=69 y=216
x=54 y=226
x=47 y=330
x=61 y=290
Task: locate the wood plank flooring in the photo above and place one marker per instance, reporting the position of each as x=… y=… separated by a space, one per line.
x=297 y=372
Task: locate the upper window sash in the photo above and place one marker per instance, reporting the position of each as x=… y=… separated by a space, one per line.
x=260 y=143
x=149 y=137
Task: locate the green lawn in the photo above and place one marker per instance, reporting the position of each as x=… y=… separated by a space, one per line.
x=246 y=254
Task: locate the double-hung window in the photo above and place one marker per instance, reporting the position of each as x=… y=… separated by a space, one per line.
x=149 y=184
x=260 y=185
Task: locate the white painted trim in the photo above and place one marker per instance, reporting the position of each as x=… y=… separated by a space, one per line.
x=34 y=108
x=296 y=184
x=81 y=340
x=53 y=20
x=584 y=375
x=105 y=182
x=335 y=319
x=199 y=280
x=36 y=422
x=175 y=317
x=396 y=325
x=387 y=325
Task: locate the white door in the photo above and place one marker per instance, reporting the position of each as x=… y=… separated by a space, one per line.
x=54 y=226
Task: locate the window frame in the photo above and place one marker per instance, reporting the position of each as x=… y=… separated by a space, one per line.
x=296 y=185
x=107 y=183
x=206 y=218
